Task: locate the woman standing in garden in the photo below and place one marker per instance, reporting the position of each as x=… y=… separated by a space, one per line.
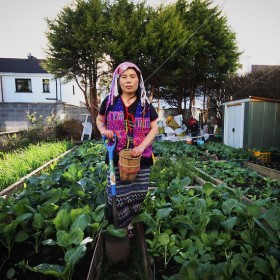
x=127 y=113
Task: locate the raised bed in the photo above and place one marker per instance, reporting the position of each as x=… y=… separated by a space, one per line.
x=265 y=171
x=20 y=183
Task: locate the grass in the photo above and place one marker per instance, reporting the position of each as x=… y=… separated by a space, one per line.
x=16 y=164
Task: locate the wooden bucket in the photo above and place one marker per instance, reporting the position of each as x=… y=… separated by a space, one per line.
x=128 y=165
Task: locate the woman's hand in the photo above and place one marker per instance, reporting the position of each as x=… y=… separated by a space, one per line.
x=137 y=151
x=108 y=133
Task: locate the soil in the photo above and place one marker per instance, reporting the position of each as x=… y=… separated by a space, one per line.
x=47 y=254
x=131 y=269
x=272 y=165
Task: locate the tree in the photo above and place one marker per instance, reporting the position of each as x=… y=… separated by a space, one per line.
x=263 y=83
x=165 y=34
x=126 y=31
x=148 y=38
x=76 y=48
x=212 y=47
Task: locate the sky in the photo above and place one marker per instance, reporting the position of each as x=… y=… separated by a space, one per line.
x=255 y=22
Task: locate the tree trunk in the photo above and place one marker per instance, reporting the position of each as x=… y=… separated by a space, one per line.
x=180 y=97
x=152 y=93
x=191 y=101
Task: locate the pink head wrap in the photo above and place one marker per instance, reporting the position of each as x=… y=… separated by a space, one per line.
x=114 y=85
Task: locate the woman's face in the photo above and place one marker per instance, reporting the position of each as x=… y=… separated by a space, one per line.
x=129 y=81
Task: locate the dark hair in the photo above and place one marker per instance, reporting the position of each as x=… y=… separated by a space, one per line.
x=138 y=91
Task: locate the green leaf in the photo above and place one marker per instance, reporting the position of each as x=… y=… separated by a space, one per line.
x=181 y=219
x=144 y=217
x=98 y=214
x=267 y=230
x=18 y=220
x=204 y=237
x=49 y=242
x=10 y=273
x=229 y=223
x=111 y=230
x=81 y=222
x=246 y=236
x=74 y=213
x=179 y=259
x=38 y=221
x=62 y=220
x=262 y=266
x=76 y=236
x=21 y=236
x=254 y=210
x=47 y=210
x=236 y=261
x=19 y=207
x=163 y=239
x=229 y=205
x=87 y=210
x=73 y=255
x=200 y=206
x=272 y=216
x=208 y=188
x=63 y=239
x=164 y=213
x=188 y=272
x=49 y=269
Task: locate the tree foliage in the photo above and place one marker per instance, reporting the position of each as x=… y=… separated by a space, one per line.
x=182 y=48
x=212 y=48
x=263 y=83
x=76 y=47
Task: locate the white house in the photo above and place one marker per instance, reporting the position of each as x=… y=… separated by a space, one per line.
x=24 y=80
x=26 y=87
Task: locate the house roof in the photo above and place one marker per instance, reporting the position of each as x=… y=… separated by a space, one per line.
x=263 y=68
x=17 y=65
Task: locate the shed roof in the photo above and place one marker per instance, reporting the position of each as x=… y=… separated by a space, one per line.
x=251 y=99
x=17 y=65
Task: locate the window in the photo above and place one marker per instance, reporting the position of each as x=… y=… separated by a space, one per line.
x=23 y=85
x=46 y=85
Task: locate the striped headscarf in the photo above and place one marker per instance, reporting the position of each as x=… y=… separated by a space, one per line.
x=114 y=85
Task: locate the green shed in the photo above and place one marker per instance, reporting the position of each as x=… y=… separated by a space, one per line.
x=252 y=123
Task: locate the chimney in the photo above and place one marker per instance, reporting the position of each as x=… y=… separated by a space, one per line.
x=29 y=56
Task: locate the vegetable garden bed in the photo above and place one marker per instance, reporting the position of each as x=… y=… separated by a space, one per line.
x=191 y=232
x=20 y=183
x=264 y=170
x=14 y=165
x=58 y=214
x=208 y=233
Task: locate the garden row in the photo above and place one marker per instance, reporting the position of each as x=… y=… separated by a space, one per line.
x=213 y=231
x=46 y=229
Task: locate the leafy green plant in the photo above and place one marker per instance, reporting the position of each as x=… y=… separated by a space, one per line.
x=164 y=170
x=215 y=233
x=177 y=149
x=226 y=152
x=63 y=209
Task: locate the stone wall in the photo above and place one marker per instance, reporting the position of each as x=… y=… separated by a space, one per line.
x=13 y=115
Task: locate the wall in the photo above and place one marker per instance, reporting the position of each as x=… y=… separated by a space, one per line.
x=13 y=115
x=263 y=125
x=59 y=91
